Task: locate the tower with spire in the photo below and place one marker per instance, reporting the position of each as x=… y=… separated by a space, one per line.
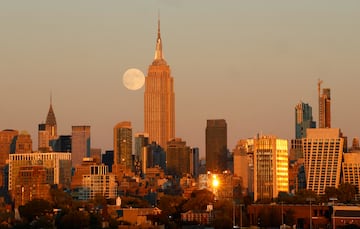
x=159 y=98
x=47 y=132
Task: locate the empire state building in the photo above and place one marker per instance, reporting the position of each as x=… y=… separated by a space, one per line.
x=159 y=99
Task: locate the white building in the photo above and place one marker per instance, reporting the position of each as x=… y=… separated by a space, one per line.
x=99 y=182
x=323 y=150
x=57 y=165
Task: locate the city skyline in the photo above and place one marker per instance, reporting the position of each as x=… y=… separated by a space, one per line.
x=248 y=63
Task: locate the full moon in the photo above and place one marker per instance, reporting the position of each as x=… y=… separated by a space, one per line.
x=133 y=79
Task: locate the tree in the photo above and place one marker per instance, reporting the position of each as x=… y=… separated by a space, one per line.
x=171 y=207
x=223 y=214
x=74 y=219
x=330 y=192
x=303 y=195
x=35 y=208
x=346 y=192
x=61 y=199
x=199 y=200
x=134 y=202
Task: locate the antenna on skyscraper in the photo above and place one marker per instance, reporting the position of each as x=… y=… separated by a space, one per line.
x=50 y=97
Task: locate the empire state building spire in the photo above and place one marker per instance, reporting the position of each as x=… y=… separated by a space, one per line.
x=158 y=59
x=159 y=99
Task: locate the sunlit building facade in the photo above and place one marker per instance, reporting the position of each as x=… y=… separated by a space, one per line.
x=7 y=145
x=141 y=141
x=323 y=150
x=80 y=143
x=31 y=184
x=57 y=165
x=324 y=107
x=23 y=143
x=351 y=170
x=123 y=146
x=303 y=119
x=99 y=182
x=159 y=99
x=244 y=163
x=270 y=167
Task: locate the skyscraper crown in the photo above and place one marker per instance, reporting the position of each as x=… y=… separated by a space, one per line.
x=159 y=59
x=50 y=119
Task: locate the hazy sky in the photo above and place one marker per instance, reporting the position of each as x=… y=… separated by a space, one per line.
x=249 y=62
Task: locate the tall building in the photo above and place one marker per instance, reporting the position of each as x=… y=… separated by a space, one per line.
x=141 y=141
x=57 y=165
x=23 y=143
x=194 y=162
x=80 y=143
x=270 y=167
x=216 y=145
x=152 y=156
x=108 y=159
x=31 y=184
x=99 y=182
x=47 y=132
x=80 y=170
x=355 y=144
x=177 y=157
x=96 y=154
x=7 y=146
x=324 y=107
x=159 y=99
x=323 y=150
x=244 y=164
x=123 y=147
x=351 y=170
x=303 y=119
x=62 y=144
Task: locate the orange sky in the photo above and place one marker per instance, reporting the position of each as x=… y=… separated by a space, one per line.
x=248 y=62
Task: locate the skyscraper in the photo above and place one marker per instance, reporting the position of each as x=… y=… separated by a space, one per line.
x=194 y=162
x=7 y=146
x=244 y=163
x=23 y=143
x=159 y=99
x=178 y=157
x=270 y=167
x=324 y=107
x=141 y=141
x=80 y=144
x=216 y=145
x=303 y=119
x=351 y=169
x=58 y=166
x=47 y=132
x=123 y=146
x=323 y=150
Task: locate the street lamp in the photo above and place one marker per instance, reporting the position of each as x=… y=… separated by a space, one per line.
x=310 y=199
